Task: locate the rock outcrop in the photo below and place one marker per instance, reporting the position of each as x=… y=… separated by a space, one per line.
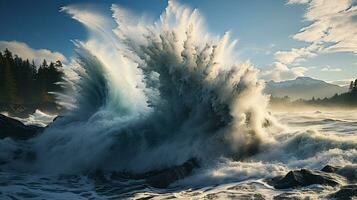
x=304 y=177
x=162 y=178
x=348 y=171
x=329 y=169
x=165 y=177
x=15 y=129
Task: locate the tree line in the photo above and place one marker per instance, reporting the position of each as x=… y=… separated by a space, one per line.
x=26 y=86
x=347 y=99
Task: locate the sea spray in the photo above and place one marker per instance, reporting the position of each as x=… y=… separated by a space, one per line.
x=155 y=95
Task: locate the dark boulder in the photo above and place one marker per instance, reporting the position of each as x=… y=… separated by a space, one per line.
x=165 y=177
x=304 y=177
x=15 y=129
x=348 y=171
x=329 y=169
x=346 y=192
x=161 y=178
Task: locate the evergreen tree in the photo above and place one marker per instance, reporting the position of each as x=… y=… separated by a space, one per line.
x=9 y=85
x=44 y=63
x=8 y=55
x=23 y=83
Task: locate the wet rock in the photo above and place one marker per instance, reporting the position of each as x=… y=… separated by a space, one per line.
x=165 y=177
x=330 y=169
x=15 y=129
x=348 y=171
x=304 y=177
x=161 y=178
x=346 y=192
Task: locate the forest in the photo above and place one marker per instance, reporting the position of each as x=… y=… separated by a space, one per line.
x=25 y=86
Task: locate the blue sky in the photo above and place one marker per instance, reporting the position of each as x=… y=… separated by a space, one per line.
x=263 y=28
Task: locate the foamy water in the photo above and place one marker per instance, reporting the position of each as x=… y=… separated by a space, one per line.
x=229 y=179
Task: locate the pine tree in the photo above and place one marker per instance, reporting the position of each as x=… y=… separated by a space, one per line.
x=44 y=63
x=9 y=85
x=8 y=55
x=351 y=86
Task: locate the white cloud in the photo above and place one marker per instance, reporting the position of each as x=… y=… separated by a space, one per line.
x=298 y=1
x=25 y=52
x=296 y=55
x=279 y=71
x=333 y=27
x=330 y=69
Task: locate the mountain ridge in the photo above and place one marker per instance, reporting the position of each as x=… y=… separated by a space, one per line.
x=303 y=88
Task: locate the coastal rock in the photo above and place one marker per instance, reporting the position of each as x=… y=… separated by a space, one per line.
x=162 y=178
x=348 y=171
x=304 y=177
x=346 y=192
x=330 y=169
x=165 y=177
x=15 y=129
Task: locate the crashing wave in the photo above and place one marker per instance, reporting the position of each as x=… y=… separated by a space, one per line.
x=153 y=95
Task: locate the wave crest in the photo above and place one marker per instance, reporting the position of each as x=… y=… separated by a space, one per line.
x=155 y=95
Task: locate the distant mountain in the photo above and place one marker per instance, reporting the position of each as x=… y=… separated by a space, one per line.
x=304 y=88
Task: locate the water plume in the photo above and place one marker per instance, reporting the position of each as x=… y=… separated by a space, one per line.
x=152 y=95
